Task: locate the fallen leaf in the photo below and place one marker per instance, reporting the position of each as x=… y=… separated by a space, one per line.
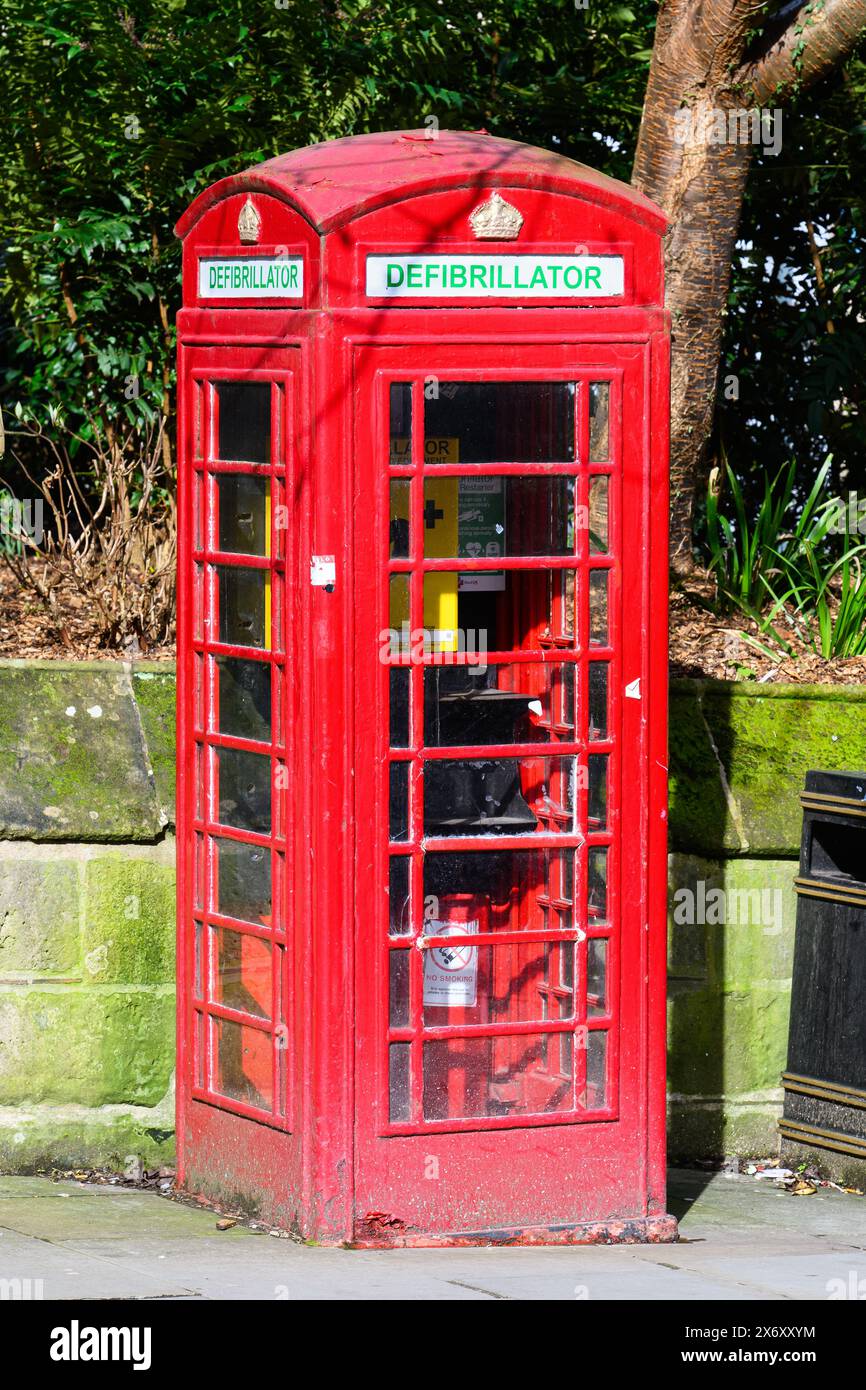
x=225 y=1223
x=803 y=1189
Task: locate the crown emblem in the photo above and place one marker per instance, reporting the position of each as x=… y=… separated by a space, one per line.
x=249 y=223
x=496 y=220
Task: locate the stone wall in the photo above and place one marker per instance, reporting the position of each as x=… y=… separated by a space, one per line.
x=86 y=913
x=738 y=756
x=87 y=905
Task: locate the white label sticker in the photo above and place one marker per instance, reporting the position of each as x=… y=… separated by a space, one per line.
x=251 y=277
x=323 y=571
x=451 y=972
x=495 y=277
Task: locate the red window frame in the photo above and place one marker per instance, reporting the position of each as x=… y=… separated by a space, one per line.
x=575 y=652
x=203 y=830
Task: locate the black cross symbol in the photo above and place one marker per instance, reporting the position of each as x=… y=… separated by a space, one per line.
x=432 y=514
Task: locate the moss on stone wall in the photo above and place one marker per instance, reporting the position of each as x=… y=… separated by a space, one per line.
x=87 y=905
x=739 y=754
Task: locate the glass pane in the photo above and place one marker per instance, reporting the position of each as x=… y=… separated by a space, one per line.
x=492 y=1076
x=244 y=1063
x=504 y=890
x=243 y=881
x=484 y=518
x=596 y=1070
x=244 y=421
x=597 y=885
x=598 y=528
x=566 y=1054
x=244 y=782
x=398 y=814
x=563 y=699
x=198 y=512
x=198 y=872
x=398 y=533
x=597 y=700
x=244 y=698
x=197 y=948
x=243 y=972
x=198 y=602
x=596 y=976
x=244 y=514
x=398 y=896
x=598 y=608
x=244 y=604
x=197 y=416
x=505 y=796
x=523 y=702
x=501 y=421
x=399 y=706
x=399 y=612
x=398 y=1082
x=466 y=984
x=599 y=421
x=597 y=801
x=400 y=426
x=564 y=585
x=531 y=606
x=398 y=989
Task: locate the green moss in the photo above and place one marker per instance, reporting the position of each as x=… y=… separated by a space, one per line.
x=89 y=1046
x=154 y=687
x=36 y=1138
x=40 y=906
x=72 y=759
x=129 y=920
x=699 y=818
x=739 y=755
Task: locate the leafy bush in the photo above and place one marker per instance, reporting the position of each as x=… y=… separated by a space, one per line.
x=790 y=578
x=747 y=558
x=831 y=604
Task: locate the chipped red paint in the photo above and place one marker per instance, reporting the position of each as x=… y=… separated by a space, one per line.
x=651 y=1230
x=283 y=1096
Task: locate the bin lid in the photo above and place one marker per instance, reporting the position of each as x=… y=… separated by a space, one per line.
x=849 y=786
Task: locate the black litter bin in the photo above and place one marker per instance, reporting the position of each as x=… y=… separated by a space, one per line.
x=825 y=1081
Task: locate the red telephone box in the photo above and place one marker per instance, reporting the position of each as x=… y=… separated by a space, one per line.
x=422 y=695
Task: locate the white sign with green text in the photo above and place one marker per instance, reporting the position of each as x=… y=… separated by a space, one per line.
x=251 y=277
x=494 y=277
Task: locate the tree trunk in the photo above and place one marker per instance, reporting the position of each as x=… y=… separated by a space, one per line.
x=688 y=162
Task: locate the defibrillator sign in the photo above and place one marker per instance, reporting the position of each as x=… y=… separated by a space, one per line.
x=495 y=277
x=251 y=277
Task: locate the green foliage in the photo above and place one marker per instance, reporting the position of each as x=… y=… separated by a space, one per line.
x=748 y=558
x=795 y=334
x=117 y=115
x=791 y=579
x=831 y=603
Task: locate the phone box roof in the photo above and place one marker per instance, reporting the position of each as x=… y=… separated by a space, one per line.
x=332 y=183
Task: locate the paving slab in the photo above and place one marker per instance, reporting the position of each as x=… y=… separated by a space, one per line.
x=742 y=1240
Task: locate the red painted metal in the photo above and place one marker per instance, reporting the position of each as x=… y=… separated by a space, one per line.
x=531 y=1109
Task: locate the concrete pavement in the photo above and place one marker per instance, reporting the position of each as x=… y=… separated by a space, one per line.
x=742 y=1240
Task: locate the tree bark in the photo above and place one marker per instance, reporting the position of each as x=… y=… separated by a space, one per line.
x=706 y=66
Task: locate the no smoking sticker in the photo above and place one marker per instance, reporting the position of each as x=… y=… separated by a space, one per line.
x=451 y=972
